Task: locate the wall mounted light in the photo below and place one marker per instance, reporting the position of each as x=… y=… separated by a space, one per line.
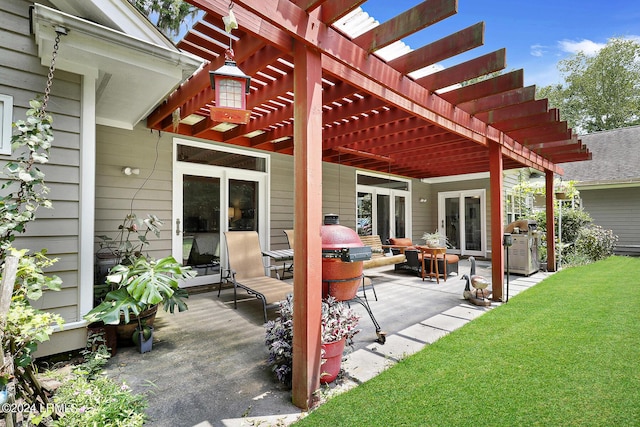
x=423 y=200
x=129 y=170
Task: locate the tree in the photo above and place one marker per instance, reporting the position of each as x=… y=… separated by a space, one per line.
x=599 y=92
x=168 y=14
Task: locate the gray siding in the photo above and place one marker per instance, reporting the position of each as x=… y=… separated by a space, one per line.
x=150 y=192
x=616 y=209
x=23 y=77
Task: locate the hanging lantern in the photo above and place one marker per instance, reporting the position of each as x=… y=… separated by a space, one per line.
x=231 y=86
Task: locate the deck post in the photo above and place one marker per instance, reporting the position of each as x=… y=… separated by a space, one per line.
x=307 y=270
x=497 y=219
x=551 y=225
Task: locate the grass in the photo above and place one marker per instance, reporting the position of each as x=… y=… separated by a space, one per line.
x=565 y=352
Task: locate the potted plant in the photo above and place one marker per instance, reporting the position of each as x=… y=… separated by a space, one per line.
x=435 y=239
x=129 y=292
x=139 y=288
x=339 y=325
x=128 y=244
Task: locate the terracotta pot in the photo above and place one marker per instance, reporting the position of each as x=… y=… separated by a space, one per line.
x=332 y=361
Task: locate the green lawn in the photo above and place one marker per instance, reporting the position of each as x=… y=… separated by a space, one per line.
x=565 y=352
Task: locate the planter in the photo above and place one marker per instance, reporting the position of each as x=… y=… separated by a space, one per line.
x=109 y=335
x=125 y=330
x=332 y=360
x=144 y=344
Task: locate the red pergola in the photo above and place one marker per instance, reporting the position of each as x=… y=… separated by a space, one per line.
x=353 y=107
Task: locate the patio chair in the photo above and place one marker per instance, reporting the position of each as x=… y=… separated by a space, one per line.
x=247 y=271
x=288 y=268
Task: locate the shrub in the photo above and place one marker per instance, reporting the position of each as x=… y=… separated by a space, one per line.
x=338 y=321
x=595 y=243
x=99 y=402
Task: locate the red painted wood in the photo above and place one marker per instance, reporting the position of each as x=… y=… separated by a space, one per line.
x=440 y=50
x=332 y=10
x=485 y=64
x=513 y=112
x=500 y=84
x=307 y=282
x=421 y=16
x=551 y=233
x=493 y=102
x=497 y=219
x=266 y=34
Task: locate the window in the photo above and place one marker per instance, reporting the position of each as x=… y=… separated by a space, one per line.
x=6 y=112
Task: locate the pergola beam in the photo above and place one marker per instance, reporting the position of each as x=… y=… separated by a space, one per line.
x=480 y=66
x=447 y=47
x=418 y=17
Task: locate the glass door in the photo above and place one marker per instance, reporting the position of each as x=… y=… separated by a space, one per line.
x=461 y=217
x=217 y=191
x=202 y=219
x=382 y=206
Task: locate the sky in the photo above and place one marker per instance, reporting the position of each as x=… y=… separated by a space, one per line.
x=536 y=33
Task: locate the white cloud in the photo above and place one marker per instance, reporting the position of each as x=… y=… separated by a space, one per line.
x=538 y=50
x=588 y=47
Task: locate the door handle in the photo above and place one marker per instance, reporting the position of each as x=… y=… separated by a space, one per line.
x=177 y=226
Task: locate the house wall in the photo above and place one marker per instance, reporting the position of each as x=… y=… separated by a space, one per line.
x=23 y=77
x=150 y=192
x=616 y=209
x=476 y=184
x=338 y=196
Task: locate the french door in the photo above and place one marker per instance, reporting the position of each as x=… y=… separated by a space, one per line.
x=462 y=218
x=382 y=206
x=209 y=200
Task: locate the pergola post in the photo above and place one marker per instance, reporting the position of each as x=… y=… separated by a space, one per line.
x=551 y=225
x=307 y=282
x=497 y=219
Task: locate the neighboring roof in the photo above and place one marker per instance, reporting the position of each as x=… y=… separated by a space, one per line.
x=133 y=74
x=616 y=159
x=381 y=109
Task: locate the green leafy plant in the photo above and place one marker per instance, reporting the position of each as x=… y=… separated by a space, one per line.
x=141 y=285
x=131 y=239
x=594 y=243
x=24 y=191
x=99 y=402
x=338 y=321
x=435 y=239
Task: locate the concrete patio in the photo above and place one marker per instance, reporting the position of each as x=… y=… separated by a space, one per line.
x=208 y=364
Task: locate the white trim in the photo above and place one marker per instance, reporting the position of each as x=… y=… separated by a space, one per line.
x=224 y=174
x=392 y=193
x=482 y=194
x=456 y=178
x=87 y=194
x=69 y=326
x=6 y=114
